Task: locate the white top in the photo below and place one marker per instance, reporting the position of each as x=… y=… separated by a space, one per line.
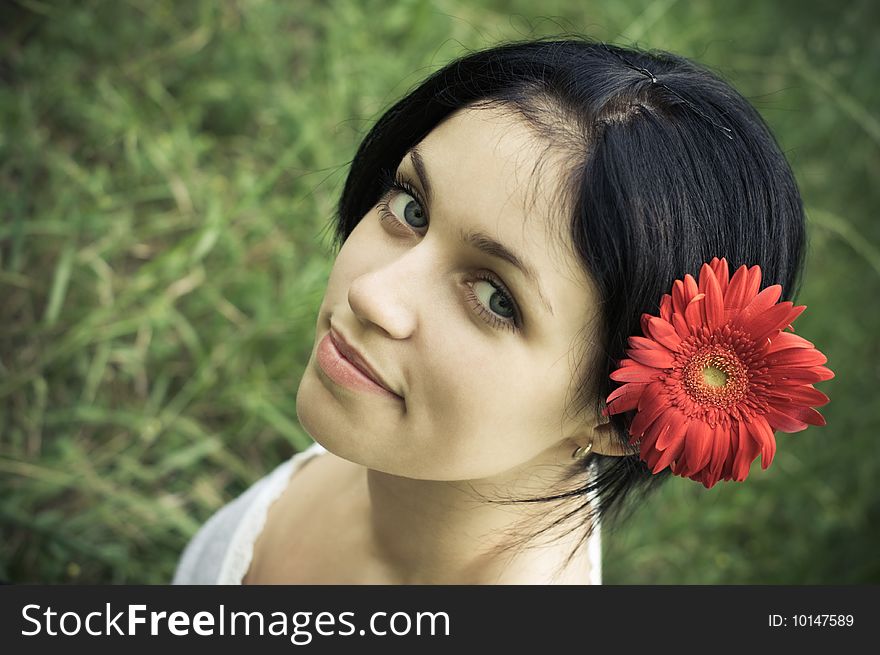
x=221 y=551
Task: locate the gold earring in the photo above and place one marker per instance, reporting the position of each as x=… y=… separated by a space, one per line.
x=582 y=451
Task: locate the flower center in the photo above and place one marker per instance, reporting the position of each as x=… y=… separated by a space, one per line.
x=714 y=375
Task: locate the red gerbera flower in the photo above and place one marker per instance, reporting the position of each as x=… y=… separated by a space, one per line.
x=715 y=374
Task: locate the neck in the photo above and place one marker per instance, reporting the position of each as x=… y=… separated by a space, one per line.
x=441 y=532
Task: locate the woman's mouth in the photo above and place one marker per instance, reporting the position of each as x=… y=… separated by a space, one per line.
x=346 y=373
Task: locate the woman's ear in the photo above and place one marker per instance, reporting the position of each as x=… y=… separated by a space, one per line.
x=606 y=442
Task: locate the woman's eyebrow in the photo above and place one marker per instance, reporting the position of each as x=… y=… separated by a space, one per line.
x=419 y=164
x=480 y=240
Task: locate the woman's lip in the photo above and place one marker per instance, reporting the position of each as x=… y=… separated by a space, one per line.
x=344 y=372
x=347 y=350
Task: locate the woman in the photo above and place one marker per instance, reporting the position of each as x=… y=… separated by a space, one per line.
x=502 y=231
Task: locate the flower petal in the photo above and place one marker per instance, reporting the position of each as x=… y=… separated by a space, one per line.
x=763 y=435
x=679 y=299
x=651 y=397
x=677 y=423
x=681 y=326
x=714 y=305
x=691 y=288
x=805 y=414
x=755 y=278
x=646 y=447
x=749 y=448
x=758 y=305
x=719 y=266
x=662 y=332
x=772 y=320
x=803 y=395
x=658 y=357
x=666 y=308
x=727 y=470
x=668 y=455
x=741 y=290
x=625 y=398
x=797 y=310
x=635 y=372
x=641 y=342
x=785 y=341
x=693 y=313
x=680 y=466
x=784 y=421
x=720 y=448
x=697 y=446
x=795 y=375
x=651 y=407
x=797 y=357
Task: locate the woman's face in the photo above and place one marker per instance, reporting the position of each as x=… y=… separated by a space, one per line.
x=482 y=361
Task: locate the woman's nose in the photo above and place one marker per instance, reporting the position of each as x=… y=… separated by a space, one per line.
x=385 y=297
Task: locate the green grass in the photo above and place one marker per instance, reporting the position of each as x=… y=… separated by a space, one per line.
x=168 y=171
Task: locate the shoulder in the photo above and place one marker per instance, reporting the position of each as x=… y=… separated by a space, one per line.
x=203 y=559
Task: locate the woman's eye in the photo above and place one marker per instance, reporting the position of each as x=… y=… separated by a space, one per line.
x=487 y=295
x=494 y=299
x=408 y=209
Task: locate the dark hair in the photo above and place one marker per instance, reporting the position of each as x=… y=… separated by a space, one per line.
x=669 y=166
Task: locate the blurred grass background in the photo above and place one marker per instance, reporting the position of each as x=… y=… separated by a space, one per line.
x=167 y=174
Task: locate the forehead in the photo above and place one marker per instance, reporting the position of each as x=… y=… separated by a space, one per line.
x=490 y=171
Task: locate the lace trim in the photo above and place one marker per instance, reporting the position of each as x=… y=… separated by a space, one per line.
x=238 y=556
